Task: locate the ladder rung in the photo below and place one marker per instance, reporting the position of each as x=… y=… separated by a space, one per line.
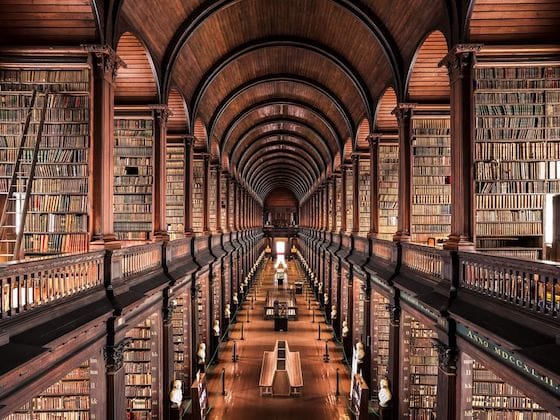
x=7 y=240
x=8 y=226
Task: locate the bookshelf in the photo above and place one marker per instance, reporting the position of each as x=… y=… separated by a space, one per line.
x=223 y=202
x=338 y=180
x=140 y=367
x=349 y=198
x=431 y=178
x=68 y=398
x=231 y=205
x=488 y=397
x=388 y=189
x=517 y=155
x=358 y=310
x=213 y=199
x=202 y=312
x=134 y=136
x=56 y=220
x=198 y=196
x=380 y=338
x=175 y=193
x=420 y=370
x=364 y=177
x=181 y=341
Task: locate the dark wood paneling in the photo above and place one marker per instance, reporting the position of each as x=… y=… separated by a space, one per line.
x=384 y=120
x=178 y=120
x=47 y=22
x=428 y=82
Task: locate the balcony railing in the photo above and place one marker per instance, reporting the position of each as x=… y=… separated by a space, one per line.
x=423 y=259
x=31 y=284
x=533 y=285
x=382 y=249
x=140 y=259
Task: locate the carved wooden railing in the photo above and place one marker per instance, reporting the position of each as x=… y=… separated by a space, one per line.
x=140 y=259
x=30 y=284
x=179 y=248
x=424 y=259
x=533 y=285
x=383 y=249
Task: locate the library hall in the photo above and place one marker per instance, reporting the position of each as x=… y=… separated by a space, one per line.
x=279 y=209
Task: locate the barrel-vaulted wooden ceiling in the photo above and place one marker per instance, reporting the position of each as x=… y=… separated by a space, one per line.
x=276 y=89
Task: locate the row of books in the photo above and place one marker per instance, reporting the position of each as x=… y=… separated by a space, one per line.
x=505 y=215
x=58 y=155
x=517 y=84
x=133 y=180
x=507 y=72
x=511 y=187
x=44 y=76
x=59 y=115
x=518 y=229
x=61 y=186
x=516 y=134
x=524 y=151
x=57 y=223
x=55 y=243
x=66 y=101
x=47 y=142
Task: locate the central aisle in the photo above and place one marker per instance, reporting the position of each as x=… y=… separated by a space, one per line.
x=242 y=399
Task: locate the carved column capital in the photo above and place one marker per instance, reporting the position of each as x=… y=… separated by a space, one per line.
x=107 y=60
x=460 y=59
x=403 y=111
x=447 y=358
x=114 y=355
x=189 y=140
x=373 y=140
x=161 y=112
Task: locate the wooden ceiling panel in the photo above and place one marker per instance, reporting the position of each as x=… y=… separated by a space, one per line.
x=156 y=21
x=362 y=135
x=513 y=21
x=280 y=60
x=135 y=82
x=47 y=22
x=428 y=82
x=200 y=134
x=178 y=120
x=289 y=91
x=385 y=120
x=409 y=21
x=278 y=112
x=319 y=22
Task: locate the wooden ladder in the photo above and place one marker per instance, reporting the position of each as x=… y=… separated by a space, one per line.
x=14 y=212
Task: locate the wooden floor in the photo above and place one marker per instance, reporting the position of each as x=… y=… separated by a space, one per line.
x=242 y=399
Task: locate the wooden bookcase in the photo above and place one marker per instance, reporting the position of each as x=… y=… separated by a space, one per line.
x=134 y=137
x=486 y=396
x=223 y=202
x=202 y=312
x=419 y=370
x=338 y=203
x=140 y=366
x=364 y=178
x=516 y=156
x=380 y=338
x=431 y=175
x=388 y=189
x=198 y=195
x=56 y=221
x=213 y=199
x=349 y=198
x=68 y=398
x=175 y=192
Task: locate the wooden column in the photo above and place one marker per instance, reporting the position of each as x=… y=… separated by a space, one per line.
x=374 y=186
x=103 y=141
x=116 y=399
x=161 y=113
x=403 y=113
x=447 y=381
x=343 y=200
x=168 y=354
x=235 y=203
x=355 y=194
x=460 y=65
x=205 y=225
x=188 y=184
x=393 y=370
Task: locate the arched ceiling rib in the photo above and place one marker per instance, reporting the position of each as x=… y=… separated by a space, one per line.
x=301 y=74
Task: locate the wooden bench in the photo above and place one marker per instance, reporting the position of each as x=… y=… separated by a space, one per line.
x=293 y=365
x=281 y=372
x=267 y=373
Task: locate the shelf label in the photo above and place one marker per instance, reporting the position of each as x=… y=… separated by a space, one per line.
x=510 y=358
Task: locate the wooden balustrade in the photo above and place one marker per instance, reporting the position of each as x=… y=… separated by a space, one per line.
x=179 y=248
x=424 y=259
x=383 y=249
x=140 y=259
x=533 y=285
x=30 y=284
